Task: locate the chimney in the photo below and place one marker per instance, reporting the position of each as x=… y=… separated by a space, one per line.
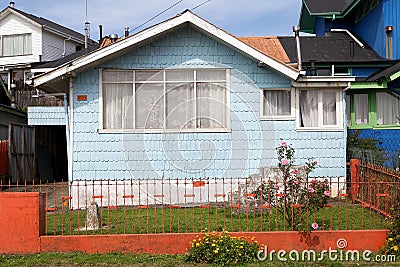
x=126 y=31
x=101 y=32
x=296 y=30
x=12 y=4
x=87 y=33
x=113 y=37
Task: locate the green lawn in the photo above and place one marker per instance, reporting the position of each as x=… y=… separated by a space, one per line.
x=194 y=219
x=123 y=260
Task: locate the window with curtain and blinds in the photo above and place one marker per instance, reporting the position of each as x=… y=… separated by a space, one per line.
x=320 y=109
x=277 y=104
x=163 y=100
x=16 y=45
x=387 y=108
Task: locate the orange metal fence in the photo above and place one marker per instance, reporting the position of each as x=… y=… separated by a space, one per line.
x=192 y=205
x=376 y=187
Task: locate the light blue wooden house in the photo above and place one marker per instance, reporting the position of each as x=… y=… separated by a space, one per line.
x=185 y=99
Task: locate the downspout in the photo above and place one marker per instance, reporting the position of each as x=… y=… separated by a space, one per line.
x=296 y=30
x=70 y=142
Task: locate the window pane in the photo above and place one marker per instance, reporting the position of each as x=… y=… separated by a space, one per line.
x=309 y=108
x=180 y=106
x=14 y=45
x=361 y=108
x=211 y=75
x=211 y=105
x=149 y=106
x=387 y=108
x=117 y=76
x=149 y=75
x=329 y=108
x=117 y=107
x=179 y=75
x=277 y=102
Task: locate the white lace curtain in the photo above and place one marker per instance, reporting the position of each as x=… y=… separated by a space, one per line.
x=361 y=108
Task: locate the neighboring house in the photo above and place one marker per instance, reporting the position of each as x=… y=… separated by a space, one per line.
x=185 y=99
x=374 y=100
x=27 y=40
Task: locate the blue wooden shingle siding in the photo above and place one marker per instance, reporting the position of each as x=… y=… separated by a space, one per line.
x=239 y=153
x=46 y=116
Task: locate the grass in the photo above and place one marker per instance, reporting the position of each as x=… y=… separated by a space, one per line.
x=128 y=220
x=122 y=260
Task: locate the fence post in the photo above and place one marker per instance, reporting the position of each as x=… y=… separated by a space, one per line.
x=354 y=178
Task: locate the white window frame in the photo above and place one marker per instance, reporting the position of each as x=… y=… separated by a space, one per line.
x=339 y=111
x=16 y=55
x=292 y=115
x=225 y=129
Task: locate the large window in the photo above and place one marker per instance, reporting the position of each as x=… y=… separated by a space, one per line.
x=277 y=104
x=370 y=109
x=176 y=99
x=16 y=45
x=320 y=109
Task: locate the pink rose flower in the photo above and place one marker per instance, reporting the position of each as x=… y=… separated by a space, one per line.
x=327 y=193
x=276 y=186
x=315 y=162
x=311 y=190
x=284 y=144
x=314 y=225
x=284 y=162
x=296 y=171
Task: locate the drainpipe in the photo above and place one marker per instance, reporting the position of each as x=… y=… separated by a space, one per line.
x=296 y=30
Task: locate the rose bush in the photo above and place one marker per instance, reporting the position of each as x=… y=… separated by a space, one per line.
x=296 y=197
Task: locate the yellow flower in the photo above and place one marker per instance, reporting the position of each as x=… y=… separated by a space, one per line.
x=213 y=245
x=390 y=239
x=395 y=248
x=241 y=247
x=216 y=251
x=197 y=244
x=240 y=254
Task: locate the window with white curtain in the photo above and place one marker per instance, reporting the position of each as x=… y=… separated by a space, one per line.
x=320 y=109
x=277 y=104
x=387 y=108
x=171 y=99
x=16 y=45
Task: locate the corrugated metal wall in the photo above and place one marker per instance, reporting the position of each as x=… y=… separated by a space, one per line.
x=22 y=153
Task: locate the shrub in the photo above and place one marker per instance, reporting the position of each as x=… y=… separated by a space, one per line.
x=392 y=245
x=222 y=249
x=296 y=197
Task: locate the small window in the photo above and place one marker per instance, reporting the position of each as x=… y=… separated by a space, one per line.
x=320 y=109
x=277 y=104
x=16 y=45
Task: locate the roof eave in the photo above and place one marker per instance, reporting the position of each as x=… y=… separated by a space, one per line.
x=167 y=25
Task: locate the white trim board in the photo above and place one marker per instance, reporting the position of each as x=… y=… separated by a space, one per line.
x=185 y=17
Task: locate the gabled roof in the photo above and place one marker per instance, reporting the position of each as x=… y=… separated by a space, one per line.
x=47 y=25
x=101 y=55
x=336 y=47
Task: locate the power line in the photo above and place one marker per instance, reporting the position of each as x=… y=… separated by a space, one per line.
x=205 y=2
x=159 y=14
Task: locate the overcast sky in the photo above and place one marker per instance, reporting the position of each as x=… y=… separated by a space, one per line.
x=239 y=17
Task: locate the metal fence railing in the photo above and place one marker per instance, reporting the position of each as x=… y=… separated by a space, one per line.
x=190 y=205
x=376 y=187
